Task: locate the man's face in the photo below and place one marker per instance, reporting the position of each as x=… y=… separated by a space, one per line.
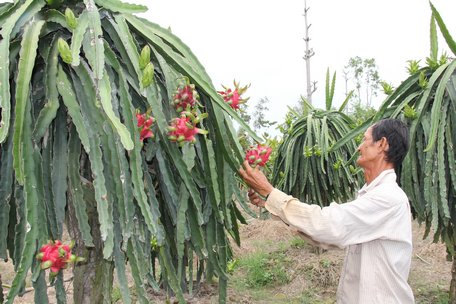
x=369 y=151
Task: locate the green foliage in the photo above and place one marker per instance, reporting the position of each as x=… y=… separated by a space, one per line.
x=69 y=91
x=359 y=112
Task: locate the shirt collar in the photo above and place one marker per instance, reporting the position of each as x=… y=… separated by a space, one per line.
x=386 y=176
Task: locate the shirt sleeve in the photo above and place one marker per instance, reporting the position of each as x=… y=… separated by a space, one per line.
x=358 y=221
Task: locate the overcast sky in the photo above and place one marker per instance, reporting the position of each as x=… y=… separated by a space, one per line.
x=261 y=42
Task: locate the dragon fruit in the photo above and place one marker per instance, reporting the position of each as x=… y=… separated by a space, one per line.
x=56 y=256
x=233 y=97
x=185 y=98
x=183 y=129
x=145 y=123
x=258 y=155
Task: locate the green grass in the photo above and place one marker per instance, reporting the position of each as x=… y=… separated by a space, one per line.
x=434 y=294
x=311 y=296
x=262 y=269
x=297 y=243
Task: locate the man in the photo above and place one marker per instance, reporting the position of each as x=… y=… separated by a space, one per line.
x=375 y=227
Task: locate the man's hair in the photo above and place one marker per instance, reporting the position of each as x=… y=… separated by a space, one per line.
x=397 y=135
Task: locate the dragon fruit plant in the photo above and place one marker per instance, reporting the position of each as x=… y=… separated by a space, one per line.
x=74 y=152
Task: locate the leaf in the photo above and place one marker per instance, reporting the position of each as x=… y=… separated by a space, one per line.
x=434 y=40
x=443 y=29
x=135 y=265
x=119 y=263
x=436 y=110
x=26 y=64
x=40 y=287
x=6 y=188
x=53 y=15
x=181 y=226
x=75 y=188
x=49 y=110
x=77 y=38
x=93 y=42
x=329 y=90
x=346 y=100
x=105 y=98
x=6 y=10
x=65 y=89
x=171 y=273
x=59 y=165
x=121 y=7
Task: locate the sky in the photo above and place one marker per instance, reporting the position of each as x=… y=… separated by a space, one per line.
x=261 y=42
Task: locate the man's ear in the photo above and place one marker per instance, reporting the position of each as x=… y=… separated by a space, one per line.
x=384 y=145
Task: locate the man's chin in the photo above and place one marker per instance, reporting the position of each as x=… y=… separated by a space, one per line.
x=359 y=162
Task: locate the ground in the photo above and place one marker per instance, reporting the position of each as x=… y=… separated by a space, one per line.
x=309 y=275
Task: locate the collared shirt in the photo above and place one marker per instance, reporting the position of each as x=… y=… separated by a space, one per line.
x=375 y=228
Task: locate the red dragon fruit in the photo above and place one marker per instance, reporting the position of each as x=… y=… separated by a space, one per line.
x=56 y=256
x=258 y=155
x=145 y=122
x=233 y=97
x=183 y=129
x=185 y=98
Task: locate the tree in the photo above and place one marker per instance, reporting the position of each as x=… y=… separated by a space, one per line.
x=363 y=74
x=427 y=102
x=73 y=74
x=259 y=119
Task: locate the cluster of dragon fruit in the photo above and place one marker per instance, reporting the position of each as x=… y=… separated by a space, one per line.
x=184 y=128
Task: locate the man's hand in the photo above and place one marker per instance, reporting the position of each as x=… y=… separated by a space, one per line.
x=255 y=179
x=255 y=199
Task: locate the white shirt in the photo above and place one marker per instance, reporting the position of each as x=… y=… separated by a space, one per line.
x=377 y=229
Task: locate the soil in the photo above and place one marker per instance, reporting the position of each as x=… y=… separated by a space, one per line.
x=310 y=269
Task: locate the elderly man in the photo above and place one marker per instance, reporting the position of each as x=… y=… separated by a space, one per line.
x=375 y=227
